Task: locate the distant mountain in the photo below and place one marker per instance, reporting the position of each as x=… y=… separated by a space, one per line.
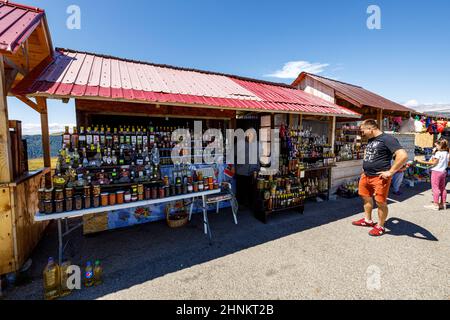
x=434 y=109
x=34 y=145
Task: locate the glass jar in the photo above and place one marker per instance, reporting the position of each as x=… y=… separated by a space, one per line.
x=59 y=194
x=48 y=194
x=140 y=196
x=173 y=190
x=154 y=193
x=87 y=191
x=48 y=206
x=201 y=187
x=140 y=189
x=190 y=188
x=195 y=186
x=104 y=199
x=162 y=193
x=96 y=201
x=87 y=202
x=199 y=176
x=69 y=204
x=96 y=190
x=166 y=180
x=112 y=199
x=178 y=189
x=185 y=188
x=120 y=197
x=127 y=197
x=69 y=192
x=148 y=194
x=78 y=203
x=59 y=206
x=134 y=197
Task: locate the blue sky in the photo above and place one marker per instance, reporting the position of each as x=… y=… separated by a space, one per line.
x=406 y=61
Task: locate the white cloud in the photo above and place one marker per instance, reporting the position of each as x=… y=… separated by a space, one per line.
x=35 y=128
x=411 y=103
x=292 y=69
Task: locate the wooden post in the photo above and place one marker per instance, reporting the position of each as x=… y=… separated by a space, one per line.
x=42 y=103
x=6 y=174
x=333 y=132
x=380 y=118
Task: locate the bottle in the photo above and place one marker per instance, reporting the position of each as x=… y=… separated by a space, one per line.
x=102 y=137
x=89 y=137
x=52 y=281
x=89 y=275
x=75 y=138
x=66 y=137
x=96 y=136
x=85 y=161
x=65 y=291
x=133 y=136
x=116 y=139
x=121 y=157
x=82 y=139
x=98 y=273
x=109 y=138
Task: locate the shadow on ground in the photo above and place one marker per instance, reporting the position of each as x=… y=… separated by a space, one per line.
x=136 y=255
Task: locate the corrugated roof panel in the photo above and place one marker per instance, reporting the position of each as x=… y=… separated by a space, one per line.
x=359 y=94
x=17 y=22
x=84 y=74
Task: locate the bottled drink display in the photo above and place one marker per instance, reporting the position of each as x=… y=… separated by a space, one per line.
x=101 y=165
x=349 y=144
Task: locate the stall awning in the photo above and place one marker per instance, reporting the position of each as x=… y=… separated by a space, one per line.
x=74 y=74
x=358 y=95
x=17 y=23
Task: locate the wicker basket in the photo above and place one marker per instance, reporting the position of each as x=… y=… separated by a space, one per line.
x=179 y=219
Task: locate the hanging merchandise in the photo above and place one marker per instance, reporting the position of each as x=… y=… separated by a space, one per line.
x=418 y=125
x=441 y=126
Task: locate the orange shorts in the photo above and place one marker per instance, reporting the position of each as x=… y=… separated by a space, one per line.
x=374 y=187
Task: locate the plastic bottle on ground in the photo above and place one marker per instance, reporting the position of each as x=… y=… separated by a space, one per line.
x=52 y=278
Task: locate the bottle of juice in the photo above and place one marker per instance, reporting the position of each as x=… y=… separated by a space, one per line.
x=98 y=273
x=52 y=278
x=65 y=291
x=89 y=275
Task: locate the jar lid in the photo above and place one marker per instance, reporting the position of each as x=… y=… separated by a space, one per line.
x=104 y=194
x=120 y=192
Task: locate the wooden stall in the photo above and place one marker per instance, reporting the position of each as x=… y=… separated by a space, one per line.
x=24 y=47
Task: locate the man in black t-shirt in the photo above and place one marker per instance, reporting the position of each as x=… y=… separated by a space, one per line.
x=378 y=172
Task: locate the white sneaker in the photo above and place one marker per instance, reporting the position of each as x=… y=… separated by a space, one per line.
x=432 y=207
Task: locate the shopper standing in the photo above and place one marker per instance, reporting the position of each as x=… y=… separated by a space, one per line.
x=439 y=161
x=377 y=176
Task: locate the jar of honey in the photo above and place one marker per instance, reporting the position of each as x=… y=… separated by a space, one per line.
x=69 y=192
x=48 y=206
x=112 y=199
x=195 y=186
x=59 y=206
x=69 y=204
x=96 y=190
x=87 y=202
x=96 y=201
x=87 y=191
x=41 y=194
x=148 y=194
x=140 y=189
x=78 y=203
x=120 y=197
x=48 y=194
x=104 y=199
x=41 y=206
x=59 y=194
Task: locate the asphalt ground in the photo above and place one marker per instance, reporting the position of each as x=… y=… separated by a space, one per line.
x=318 y=255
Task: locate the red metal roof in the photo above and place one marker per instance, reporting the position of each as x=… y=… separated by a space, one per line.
x=76 y=74
x=358 y=94
x=17 y=22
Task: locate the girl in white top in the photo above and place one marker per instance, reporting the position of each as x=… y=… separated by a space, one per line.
x=440 y=162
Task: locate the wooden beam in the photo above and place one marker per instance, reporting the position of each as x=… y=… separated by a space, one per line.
x=10 y=77
x=29 y=103
x=13 y=65
x=42 y=103
x=6 y=174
